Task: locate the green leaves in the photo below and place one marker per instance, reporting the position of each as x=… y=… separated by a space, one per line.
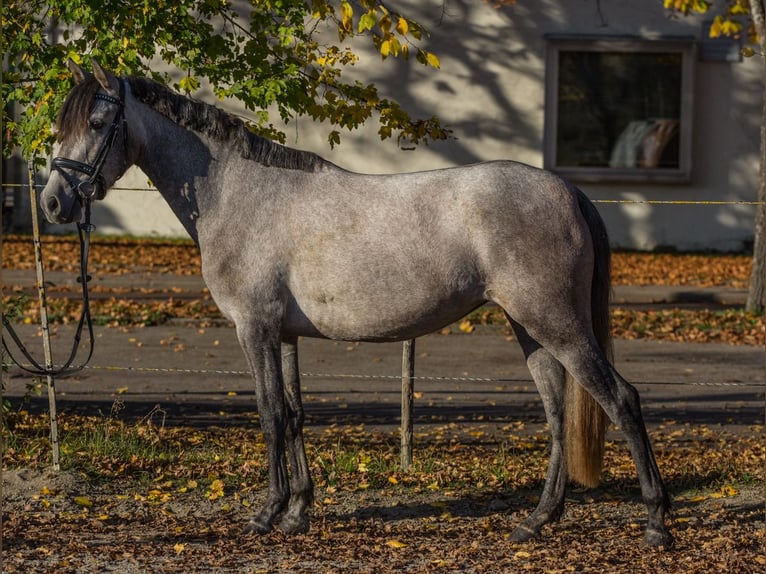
x=272 y=59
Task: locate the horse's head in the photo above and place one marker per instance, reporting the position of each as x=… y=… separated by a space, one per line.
x=91 y=155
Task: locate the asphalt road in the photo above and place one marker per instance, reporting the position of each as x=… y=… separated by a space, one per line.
x=184 y=374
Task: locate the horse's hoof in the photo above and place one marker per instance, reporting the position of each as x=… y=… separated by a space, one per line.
x=257 y=526
x=294 y=524
x=523 y=533
x=658 y=538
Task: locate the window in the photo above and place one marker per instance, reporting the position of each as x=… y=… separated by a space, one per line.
x=619 y=109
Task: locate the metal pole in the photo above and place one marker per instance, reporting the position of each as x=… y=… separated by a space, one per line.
x=408 y=383
x=44 y=319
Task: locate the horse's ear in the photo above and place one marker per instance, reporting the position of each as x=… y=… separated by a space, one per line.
x=77 y=72
x=107 y=80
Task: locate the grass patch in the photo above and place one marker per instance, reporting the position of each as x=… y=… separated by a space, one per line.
x=351 y=458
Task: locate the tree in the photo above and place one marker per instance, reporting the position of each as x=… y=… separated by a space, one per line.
x=746 y=17
x=271 y=55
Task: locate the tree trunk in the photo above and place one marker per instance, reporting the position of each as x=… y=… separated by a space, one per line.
x=756 y=298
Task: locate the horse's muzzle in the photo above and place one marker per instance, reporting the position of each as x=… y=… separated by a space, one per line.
x=59 y=207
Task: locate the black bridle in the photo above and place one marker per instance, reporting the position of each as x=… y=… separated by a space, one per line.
x=94 y=186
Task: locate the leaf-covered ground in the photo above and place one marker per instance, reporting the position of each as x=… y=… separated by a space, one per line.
x=116 y=306
x=178 y=502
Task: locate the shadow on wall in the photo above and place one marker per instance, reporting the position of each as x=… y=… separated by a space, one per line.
x=476 y=101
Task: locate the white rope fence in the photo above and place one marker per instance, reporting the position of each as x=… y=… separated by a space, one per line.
x=360 y=376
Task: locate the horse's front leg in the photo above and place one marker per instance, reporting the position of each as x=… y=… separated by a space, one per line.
x=263 y=355
x=301 y=485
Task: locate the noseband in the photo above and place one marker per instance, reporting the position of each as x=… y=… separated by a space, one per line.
x=94 y=186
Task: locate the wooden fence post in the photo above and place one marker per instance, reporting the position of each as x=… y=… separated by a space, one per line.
x=408 y=383
x=55 y=450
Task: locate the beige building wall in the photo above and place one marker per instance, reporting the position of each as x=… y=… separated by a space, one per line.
x=491 y=91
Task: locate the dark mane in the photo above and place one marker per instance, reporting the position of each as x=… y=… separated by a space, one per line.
x=197 y=116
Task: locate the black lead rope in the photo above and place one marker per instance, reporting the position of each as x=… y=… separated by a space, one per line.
x=84 y=229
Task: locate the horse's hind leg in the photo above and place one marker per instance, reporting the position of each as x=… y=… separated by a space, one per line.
x=587 y=364
x=550 y=377
x=301 y=486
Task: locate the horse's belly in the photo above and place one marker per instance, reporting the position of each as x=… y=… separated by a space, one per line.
x=376 y=319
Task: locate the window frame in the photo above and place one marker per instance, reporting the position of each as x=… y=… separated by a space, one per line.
x=685 y=45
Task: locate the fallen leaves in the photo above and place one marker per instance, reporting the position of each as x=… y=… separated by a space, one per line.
x=215 y=491
x=733 y=326
x=699 y=270
x=157 y=514
x=107 y=255
x=83 y=501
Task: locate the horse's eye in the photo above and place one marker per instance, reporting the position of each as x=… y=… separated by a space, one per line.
x=96 y=124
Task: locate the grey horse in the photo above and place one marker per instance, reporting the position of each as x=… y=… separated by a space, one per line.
x=294 y=246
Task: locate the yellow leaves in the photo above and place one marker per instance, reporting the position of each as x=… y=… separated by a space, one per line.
x=433 y=60
x=179 y=547
x=392 y=46
x=687 y=6
x=347 y=15
x=83 y=501
x=725 y=27
x=396 y=544
x=215 y=491
x=190 y=485
x=363 y=460
x=726 y=491
x=156 y=495
x=739 y=7
x=320 y=9
x=402 y=26
x=467 y=326
x=188 y=84
x=368 y=20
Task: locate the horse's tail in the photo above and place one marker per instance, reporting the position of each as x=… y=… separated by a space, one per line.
x=585 y=419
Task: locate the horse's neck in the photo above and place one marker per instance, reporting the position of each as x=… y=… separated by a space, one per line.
x=182 y=165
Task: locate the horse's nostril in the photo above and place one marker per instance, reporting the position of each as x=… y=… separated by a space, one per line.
x=52 y=205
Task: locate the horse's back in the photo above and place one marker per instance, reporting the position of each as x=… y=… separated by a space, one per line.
x=389 y=257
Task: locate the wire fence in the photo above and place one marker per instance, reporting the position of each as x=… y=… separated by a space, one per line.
x=379 y=377
x=603 y=201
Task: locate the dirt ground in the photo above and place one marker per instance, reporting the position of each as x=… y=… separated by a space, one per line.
x=366 y=532
x=66 y=522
